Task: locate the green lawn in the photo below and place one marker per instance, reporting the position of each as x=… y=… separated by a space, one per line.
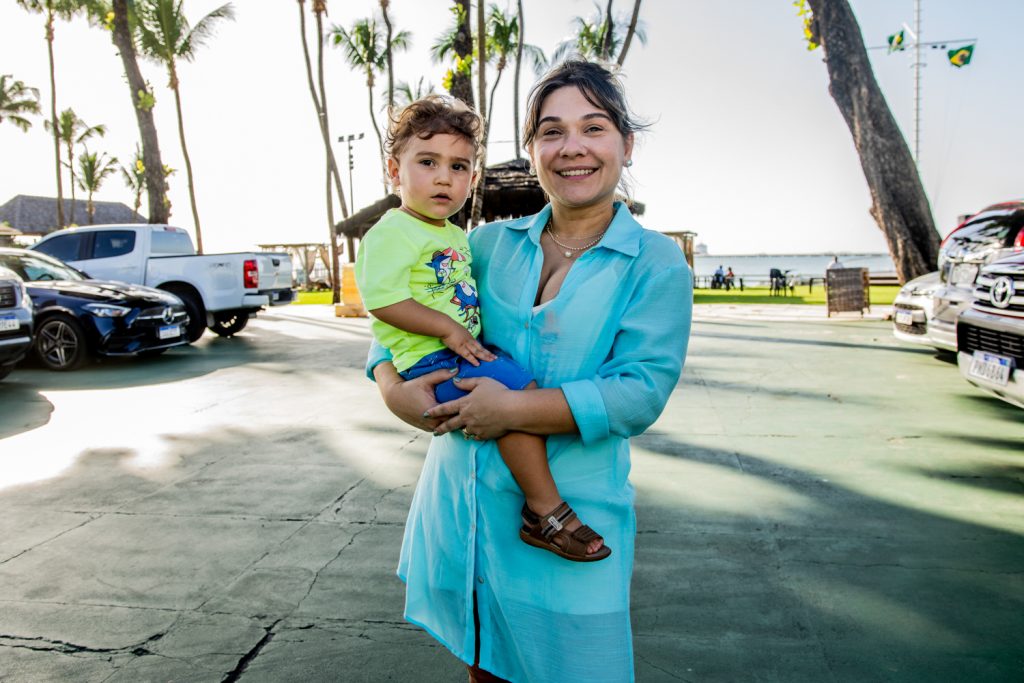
x=313 y=298
x=880 y=295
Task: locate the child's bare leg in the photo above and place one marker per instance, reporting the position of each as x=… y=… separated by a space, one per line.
x=526 y=457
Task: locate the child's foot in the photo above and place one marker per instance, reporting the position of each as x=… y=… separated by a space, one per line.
x=561 y=532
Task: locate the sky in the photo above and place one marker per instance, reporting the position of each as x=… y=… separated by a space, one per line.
x=746 y=147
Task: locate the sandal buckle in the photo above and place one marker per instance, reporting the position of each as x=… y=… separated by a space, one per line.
x=554 y=523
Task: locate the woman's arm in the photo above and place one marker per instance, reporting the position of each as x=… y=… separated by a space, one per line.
x=409 y=400
x=490 y=410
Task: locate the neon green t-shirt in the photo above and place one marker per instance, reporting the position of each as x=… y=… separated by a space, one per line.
x=400 y=258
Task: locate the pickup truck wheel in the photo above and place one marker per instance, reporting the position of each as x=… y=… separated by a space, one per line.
x=227 y=324
x=60 y=344
x=196 y=316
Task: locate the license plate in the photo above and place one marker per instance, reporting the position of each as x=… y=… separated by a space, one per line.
x=904 y=317
x=8 y=323
x=991 y=367
x=170 y=331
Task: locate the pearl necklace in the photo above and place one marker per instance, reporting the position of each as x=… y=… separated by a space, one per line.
x=568 y=253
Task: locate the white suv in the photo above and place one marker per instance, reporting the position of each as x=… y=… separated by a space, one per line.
x=990 y=334
x=15 y=321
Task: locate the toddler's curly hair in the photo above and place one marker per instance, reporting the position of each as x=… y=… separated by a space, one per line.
x=433 y=115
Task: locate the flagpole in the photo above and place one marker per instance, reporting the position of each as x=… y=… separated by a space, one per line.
x=917 y=82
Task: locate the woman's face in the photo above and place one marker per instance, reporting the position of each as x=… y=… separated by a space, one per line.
x=577 y=151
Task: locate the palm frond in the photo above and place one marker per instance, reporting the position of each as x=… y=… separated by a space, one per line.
x=203 y=30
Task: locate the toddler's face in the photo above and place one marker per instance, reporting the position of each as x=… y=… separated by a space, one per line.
x=434 y=176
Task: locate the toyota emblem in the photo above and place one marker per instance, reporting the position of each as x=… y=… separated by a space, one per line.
x=168 y=314
x=1001 y=292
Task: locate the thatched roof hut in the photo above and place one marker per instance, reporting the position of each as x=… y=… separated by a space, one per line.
x=509 y=192
x=38 y=215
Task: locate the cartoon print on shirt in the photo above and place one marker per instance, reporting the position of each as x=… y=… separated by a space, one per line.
x=443 y=262
x=469 y=305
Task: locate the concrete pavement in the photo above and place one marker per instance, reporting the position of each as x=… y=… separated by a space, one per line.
x=817 y=503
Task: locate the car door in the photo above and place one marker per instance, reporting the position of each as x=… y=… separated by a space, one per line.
x=110 y=256
x=71 y=248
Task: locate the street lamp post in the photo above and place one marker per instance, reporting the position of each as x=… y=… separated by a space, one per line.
x=347 y=139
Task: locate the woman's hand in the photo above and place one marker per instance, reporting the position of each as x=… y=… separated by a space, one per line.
x=466 y=345
x=483 y=413
x=410 y=400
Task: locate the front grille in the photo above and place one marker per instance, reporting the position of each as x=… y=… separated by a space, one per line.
x=1012 y=295
x=155 y=315
x=970 y=339
x=7 y=296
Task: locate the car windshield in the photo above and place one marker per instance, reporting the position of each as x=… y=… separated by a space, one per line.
x=33 y=267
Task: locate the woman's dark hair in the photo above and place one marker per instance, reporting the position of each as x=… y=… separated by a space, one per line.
x=599 y=86
x=429 y=116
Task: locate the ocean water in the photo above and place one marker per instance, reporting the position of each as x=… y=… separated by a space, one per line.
x=755 y=267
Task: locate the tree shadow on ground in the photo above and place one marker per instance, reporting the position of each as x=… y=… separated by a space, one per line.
x=832 y=585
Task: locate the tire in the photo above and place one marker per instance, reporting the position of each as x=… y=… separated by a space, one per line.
x=229 y=323
x=196 y=314
x=60 y=343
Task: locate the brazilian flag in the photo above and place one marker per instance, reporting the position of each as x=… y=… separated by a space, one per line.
x=896 y=42
x=961 y=56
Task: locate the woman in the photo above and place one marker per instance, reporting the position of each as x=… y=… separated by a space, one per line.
x=599 y=309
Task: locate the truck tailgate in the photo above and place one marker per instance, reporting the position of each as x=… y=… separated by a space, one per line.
x=275 y=271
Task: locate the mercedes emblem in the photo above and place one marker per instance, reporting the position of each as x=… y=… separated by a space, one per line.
x=168 y=314
x=1001 y=292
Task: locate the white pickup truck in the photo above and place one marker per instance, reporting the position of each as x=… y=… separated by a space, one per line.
x=220 y=291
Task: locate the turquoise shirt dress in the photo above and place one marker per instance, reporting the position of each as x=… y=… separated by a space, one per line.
x=614 y=340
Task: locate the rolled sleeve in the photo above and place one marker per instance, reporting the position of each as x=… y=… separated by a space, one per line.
x=633 y=385
x=377 y=355
x=588 y=409
x=382 y=266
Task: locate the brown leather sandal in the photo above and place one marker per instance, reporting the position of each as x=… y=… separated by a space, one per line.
x=548 y=533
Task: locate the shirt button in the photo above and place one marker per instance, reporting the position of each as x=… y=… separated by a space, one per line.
x=526 y=326
x=479 y=579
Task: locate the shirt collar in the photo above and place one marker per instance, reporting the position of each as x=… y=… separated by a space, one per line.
x=623 y=233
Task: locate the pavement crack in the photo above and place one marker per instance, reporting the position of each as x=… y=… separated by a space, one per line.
x=673 y=675
x=337 y=501
x=316 y=576
x=41 y=644
x=52 y=538
x=249 y=656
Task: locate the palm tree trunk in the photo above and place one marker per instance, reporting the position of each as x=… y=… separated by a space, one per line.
x=332 y=167
x=184 y=152
x=387 y=51
x=629 y=32
x=90 y=208
x=156 y=182
x=71 y=179
x=898 y=202
x=376 y=129
x=53 y=116
x=515 y=85
x=606 y=35
x=490 y=104
x=481 y=37
x=462 y=85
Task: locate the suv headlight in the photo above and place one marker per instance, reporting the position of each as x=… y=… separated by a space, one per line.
x=107 y=310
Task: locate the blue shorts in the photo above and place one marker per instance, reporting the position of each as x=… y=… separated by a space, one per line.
x=503 y=369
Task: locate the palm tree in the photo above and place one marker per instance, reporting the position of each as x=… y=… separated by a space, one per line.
x=17 y=100
x=119 y=18
x=364 y=50
x=406 y=93
x=166 y=36
x=503 y=44
x=457 y=43
x=384 y=4
x=481 y=48
x=630 y=32
x=135 y=177
x=73 y=131
x=93 y=169
x=598 y=37
x=64 y=9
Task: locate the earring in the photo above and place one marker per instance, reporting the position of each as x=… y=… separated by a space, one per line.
x=629 y=162
x=532 y=171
